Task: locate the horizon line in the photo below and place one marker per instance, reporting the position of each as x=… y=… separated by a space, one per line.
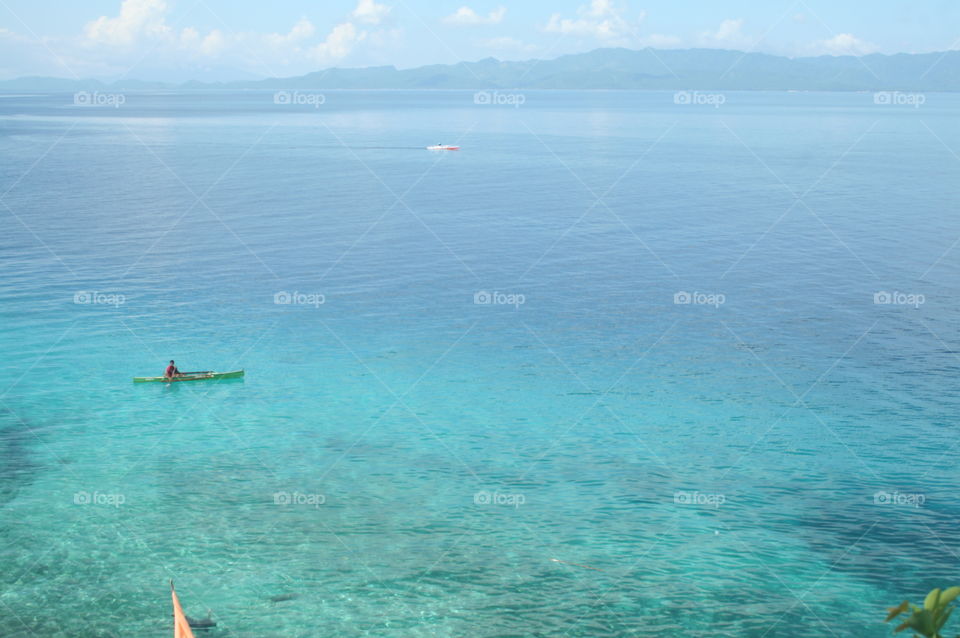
x=107 y=79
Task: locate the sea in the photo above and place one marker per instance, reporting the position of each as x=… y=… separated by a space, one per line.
x=624 y=364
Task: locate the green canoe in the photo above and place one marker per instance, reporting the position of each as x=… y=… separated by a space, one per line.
x=193 y=376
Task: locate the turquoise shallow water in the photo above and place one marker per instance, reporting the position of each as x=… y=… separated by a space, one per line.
x=408 y=462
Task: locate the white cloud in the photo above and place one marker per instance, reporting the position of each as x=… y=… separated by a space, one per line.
x=369 y=12
x=142 y=25
x=137 y=19
x=214 y=43
x=338 y=44
x=844 y=44
x=26 y=55
x=600 y=19
x=465 y=16
x=13 y=36
x=302 y=30
x=729 y=35
x=729 y=29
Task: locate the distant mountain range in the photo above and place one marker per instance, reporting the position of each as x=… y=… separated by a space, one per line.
x=701 y=69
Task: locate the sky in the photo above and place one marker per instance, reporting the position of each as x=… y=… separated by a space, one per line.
x=178 y=40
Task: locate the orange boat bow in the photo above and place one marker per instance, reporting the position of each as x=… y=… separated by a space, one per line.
x=181 y=628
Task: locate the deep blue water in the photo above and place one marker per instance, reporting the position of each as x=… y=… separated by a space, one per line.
x=779 y=460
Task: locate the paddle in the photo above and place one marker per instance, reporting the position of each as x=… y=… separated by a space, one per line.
x=199 y=372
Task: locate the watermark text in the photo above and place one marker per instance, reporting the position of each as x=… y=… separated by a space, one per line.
x=112 y=499
x=297 y=298
x=496 y=98
x=97 y=298
x=86 y=98
x=496 y=497
x=299 y=98
x=684 y=298
x=697 y=98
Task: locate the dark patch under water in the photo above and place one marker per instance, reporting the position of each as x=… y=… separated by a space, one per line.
x=16 y=467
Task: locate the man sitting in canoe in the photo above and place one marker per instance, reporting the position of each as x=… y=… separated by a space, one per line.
x=171 y=371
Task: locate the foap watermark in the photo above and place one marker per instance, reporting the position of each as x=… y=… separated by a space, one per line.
x=297 y=298
x=299 y=498
x=684 y=298
x=114 y=499
x=496 y=98
x=86 y=98
x=896 y=98
x=883 y=497
x=299 y=98
x=496 y=497
x=495 y=298
x=897 y=298
x=696 y=98
x=699 y=498
x=97 y=298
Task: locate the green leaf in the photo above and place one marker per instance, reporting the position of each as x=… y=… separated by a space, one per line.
x=949 y=594
x=921 y=622
x=931 y=600
x=926 y=623
x=942 y=620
